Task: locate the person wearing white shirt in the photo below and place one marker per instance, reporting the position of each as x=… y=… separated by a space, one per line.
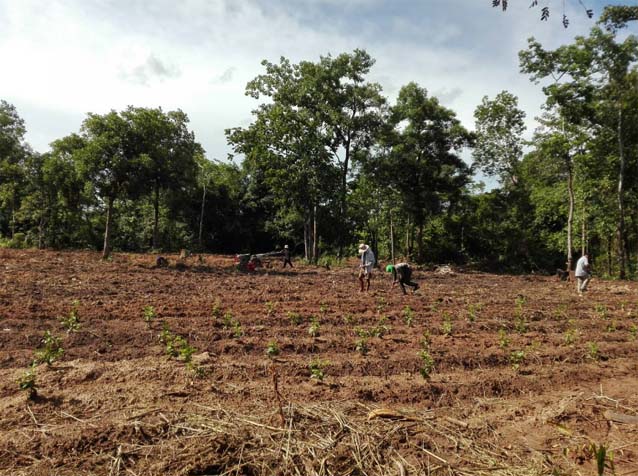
x=583 y=274
x=367 y=263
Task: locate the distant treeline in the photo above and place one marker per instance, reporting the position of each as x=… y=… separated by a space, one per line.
x=328 y=162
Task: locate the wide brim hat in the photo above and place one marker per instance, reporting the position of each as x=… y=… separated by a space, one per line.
x=363 y=248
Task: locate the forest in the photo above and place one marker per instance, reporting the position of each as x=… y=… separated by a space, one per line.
x=329 y=161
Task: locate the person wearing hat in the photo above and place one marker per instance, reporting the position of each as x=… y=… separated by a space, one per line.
x=583 y=274
x=286 y=255
x=402 y=273
x=367 y=263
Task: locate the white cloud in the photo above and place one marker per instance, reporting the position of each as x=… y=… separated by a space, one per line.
x=64 y=58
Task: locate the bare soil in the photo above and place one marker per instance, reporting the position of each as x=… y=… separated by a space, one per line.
x=528 y=377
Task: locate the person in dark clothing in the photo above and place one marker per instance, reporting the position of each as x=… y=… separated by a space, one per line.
x=402 y=273
x=286 y=255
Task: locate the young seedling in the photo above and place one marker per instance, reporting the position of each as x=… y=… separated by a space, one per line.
x=295 y=318
x=361 y=346
x=27 y=382
x=149 y=315
x=51 y=351
x=316 y=370
x=604 y=458
x=408 y=316
x=348 y=319
x=472 y=311
x=270 y=308
x=561 y=311
x=601 y=310
x=447 y=327
x=381 y=304
x=426 y=338
x=503 y=340
x=323 y=309
x=570 y=336
x=72 y=322
x=228 y=320
x=313 y=330
x=611 y=327
x=237 y=330
x=520 y=324
x=516 y=359
x=593 y=351
x=427 y=363
x=380 y=329
x=272 y=349
x=633 y=330
x=217 y=311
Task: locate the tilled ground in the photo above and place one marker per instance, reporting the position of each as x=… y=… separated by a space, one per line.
x=527 y=377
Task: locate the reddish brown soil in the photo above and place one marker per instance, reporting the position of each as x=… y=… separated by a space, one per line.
x=116 y=404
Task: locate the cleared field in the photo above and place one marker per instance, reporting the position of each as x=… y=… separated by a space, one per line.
x=527 y=377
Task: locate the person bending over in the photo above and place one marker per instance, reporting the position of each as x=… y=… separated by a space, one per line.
x=402 y=273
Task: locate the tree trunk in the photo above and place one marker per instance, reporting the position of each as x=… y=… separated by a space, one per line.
x=315 y=240
x=621 y=201
x=201 y=218
x=344 y=194
x=419 y=242
x=156 y=216
x=392 y=240
x=583 y=236
x=306 y=239
x=609 y=242
x=106 y=251
x=407 y=240
x=570 y=214
x=41 y=223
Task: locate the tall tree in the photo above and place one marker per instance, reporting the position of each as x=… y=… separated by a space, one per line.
x=107 y=160
x=344 y=109
x=170 y=149
x=423 y=163
x=598 y=71
x=13 y=153
x=500 y=125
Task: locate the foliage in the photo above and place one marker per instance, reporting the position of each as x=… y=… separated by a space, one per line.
x=503 y=340
x=50 y=351
x=317 y=369
x=593 y=351
x=272 y=349
x=447 y=326
x=28 y=383
x=361 y=346
x=149 y=315
x=408 y=316
x=313 y=330
x=71 y=322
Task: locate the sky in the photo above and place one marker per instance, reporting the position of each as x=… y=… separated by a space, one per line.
x=65 y=58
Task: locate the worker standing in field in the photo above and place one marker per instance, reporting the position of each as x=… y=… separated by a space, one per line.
x=583 y=274
x=286 y=254
x=402 y=274
x=365 y=268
